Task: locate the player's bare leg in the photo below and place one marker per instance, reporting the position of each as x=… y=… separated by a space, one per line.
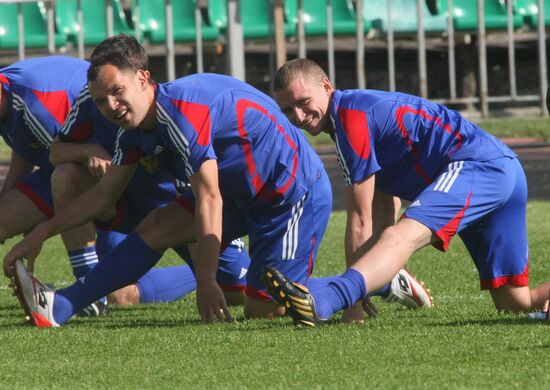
x=395 y=246
x=18 y=214
x=69 y=181
x=255 y=308
x=510 y=298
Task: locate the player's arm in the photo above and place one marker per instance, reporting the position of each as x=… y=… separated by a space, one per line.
x=208 y=219
x=90 y=205
x=96 y=158
x=19 y=169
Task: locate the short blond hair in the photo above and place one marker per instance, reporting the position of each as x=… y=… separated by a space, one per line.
x=290 y=70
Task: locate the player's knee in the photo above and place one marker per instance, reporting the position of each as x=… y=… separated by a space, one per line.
x=512 y=299
x=64 y=177
x=255 y=308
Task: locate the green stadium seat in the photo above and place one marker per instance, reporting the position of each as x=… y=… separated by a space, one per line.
x=315 y=17
x=465 y=14
x=256 y=16
x=153 y=21
x=94 y=20
x=529 y=10
x=376 y=11
x=36 y=27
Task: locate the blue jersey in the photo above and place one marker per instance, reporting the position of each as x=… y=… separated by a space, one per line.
x=40 y=93
x=85 y=124
x=405 y=140
x=262 y=159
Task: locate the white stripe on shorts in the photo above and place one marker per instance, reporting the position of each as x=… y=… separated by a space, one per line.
x=448 y=178
x=290 y=239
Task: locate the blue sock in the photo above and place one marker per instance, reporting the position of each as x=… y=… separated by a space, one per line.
x=166 y=284
x=107 y=240
x=383 y=291
x=83 y=260
x=340 y=294
x=316 y=284
x=124 y=265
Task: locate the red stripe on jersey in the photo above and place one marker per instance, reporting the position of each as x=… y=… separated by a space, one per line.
x=356 y=127
x=399 y=114
x=448 y=231
x=4 y=79
x=199 y=117
x=242 y=106
x=56 y=102
x=515 y=280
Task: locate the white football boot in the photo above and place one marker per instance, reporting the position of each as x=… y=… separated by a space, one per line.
x=35 y=297
x=408 y=291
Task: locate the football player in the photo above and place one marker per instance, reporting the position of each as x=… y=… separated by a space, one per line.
x=458 y=178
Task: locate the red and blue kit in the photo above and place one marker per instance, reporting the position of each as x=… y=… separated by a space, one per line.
x=40 y=93
x=458 y=178
x=273 y=184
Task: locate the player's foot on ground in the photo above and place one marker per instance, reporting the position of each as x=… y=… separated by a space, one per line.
x=35 y=297
x=296 y=298
x=96 y=309
x=408 y=291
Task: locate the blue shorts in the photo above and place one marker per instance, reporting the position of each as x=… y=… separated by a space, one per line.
x=38 y=188
x=485 y=203
x=134 y=205
x=286 y=237
x=233 y=265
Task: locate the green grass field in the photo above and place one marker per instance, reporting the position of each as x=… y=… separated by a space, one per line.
x=461 y=343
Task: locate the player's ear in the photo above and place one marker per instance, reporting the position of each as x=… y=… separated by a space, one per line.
x=143 y=78
x=327 y=86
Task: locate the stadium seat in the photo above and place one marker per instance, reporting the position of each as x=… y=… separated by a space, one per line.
x=315 y=16
x=465 y=14
x=256 y=16
x=94 y=20
x=529 y=10
x=376 y=11
x=36 y=26
x=153 y=21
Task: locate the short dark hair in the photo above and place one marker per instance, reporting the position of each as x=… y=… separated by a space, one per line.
x=290 y=70
x=122 y=51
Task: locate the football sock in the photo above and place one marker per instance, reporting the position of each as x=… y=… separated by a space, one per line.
x=316 y=284
x=83 y=260
x=166 y=284
x=383 y=291
x=124 y=265
x=340 y=294
x=107 y=240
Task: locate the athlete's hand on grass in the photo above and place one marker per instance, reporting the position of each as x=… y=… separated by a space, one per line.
x=28 y=248
x=211 y=303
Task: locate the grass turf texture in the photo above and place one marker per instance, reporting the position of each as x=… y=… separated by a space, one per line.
x=461 y=343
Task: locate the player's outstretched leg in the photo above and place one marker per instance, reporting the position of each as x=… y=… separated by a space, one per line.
x=35 y=297
x=296 y=298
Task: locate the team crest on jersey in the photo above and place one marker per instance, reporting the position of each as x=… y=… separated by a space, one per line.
x=150 y=164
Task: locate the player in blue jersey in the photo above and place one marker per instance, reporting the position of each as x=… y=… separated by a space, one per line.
x=458 y=178
x=243 y=160
x=82 y=154
x=35 y=100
